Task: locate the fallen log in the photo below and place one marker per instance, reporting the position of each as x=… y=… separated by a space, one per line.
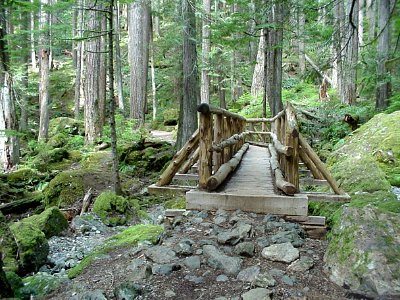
x=215 y=180
x=19 y=206
x=281 y=183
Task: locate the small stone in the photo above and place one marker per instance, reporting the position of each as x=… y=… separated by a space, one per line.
x=263 y=242
x=270 y=218
x=281 y=252
x=194 y=279
x=222 y=278
x=306 y=289
x=288 y=280
x=234 y=235
x=169 y=294
x=197 y=220
x=257 y=294
x=165 y=269
x=218 y=260
x=264 y=280
x=160 y=254
x=127 y=290
x=184 y=247
x=92 y=295
x=248 y=274
x=301 y=265
x=219 y=220
x=245 y=249
x=192 y=262
x=276 y=273
x=221 y=298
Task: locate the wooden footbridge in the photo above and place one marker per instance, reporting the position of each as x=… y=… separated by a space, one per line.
x=254 y=165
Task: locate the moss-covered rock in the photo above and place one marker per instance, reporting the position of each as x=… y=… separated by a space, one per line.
x=33 y=247
x=97 y=160
x=5 y=287
x=8 y=246
x=65 y=189
x=176 y=203
x=113 y=209
x=51 y=159
x=24 y=176
x=127 y=238
x=40 y=285
x=364 y=252
x=52 y=222
x=66 y=125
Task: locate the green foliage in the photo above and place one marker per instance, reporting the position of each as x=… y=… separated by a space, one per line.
x=394 y=104
x=177 y=203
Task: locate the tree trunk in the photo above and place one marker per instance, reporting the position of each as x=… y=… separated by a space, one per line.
x=383 y=85
x=153 y=83
x=118 y=70
x=78 y=58
x=273 y=59
x=23 y=122
x=32 y=40
x=337 y=48
x=205 y=46
x=102 y=75
x=9 y=146
x=361 y=24
x=91 y=82
x=44 y=71
x=258 y=74
x=114 y=153
x=300 y=37
x=191 y=92
x=139 y=37
x=371 y=16
x=349 y=77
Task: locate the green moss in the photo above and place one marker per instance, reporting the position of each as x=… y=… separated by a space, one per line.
x=177 y=203
x=65 y=189
x=129 y=237
x=51 y=221
x=24 y=176
x=66 y=126
x=8 y=246
x=50 y=159
x=342 y=243
x=113 y=209
x=95 y=160
x=40 y=285
x=32 y=245
x=14 y=280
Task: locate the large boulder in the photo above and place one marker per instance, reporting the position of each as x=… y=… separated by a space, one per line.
x=33 y=247
x=51 y=221
x=364 y=253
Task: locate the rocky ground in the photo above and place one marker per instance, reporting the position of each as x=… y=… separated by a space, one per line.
x=206 y=255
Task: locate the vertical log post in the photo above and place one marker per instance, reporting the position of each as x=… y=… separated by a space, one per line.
x=205 y=166
x=263 y=129
x=292 y=140
x=218 y=136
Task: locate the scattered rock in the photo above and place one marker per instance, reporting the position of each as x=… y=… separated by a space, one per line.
x=281 y=252
x=192 y=262
x=90 y=295
x=248 y=274
x=160 y=254
x=257 y=294
x=140 y=268
x=264 y=280
x=301 y=265
x=288 y=280
x=127 y=291
x=165 y=269
x=169 y=294
x=287 y=236
x=218 y=260
x=234 y=235
x=245 y=249
x=222 y=278
x=194 y=279
x=184 y=247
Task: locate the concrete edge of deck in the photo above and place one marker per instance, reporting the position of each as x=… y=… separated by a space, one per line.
x=273 y=204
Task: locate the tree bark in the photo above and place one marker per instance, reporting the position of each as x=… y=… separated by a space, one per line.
x=118 y=69
x=337 y=48
x=102 y=75
x=44 y=71
x=371 y=16
x=91 y=82
x=258 y=73
x=78 y=58
x=32 y=40
x=383 y=85
x=9 y=146
x=273 y=59
x=191 y=91
x=23 y=122
x=300 y=37
x=349 y=76
x=139 y=37
x=114 y=154
x=205 y=46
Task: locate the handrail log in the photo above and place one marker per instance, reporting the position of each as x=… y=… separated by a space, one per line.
x=320 y=165
x=214 y=181
x=310 y=164
x=291 y=139
x=233 y=140
x=209 y=109
x=281 y=183
x=260 y=120
x=285 y=150
x=178 y=159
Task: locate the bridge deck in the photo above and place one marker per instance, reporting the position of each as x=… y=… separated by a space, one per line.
x=250 y=188
x=253 y=176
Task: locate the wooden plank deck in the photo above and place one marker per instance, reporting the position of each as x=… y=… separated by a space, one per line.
x=250 y=188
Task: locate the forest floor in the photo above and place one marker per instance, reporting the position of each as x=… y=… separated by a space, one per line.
x=198 y=258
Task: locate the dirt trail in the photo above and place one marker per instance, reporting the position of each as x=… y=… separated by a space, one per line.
x=163 y=135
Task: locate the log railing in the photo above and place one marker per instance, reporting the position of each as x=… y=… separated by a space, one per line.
x=223 y=138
